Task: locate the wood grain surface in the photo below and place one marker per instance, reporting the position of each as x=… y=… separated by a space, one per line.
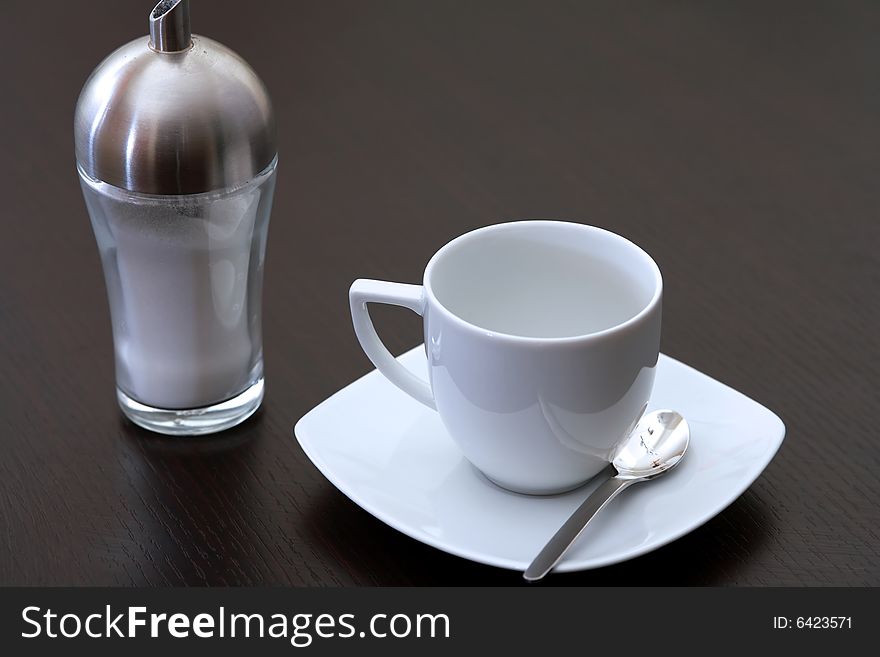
x=737 y=143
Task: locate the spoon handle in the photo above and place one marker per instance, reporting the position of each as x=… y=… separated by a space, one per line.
x=577 y=523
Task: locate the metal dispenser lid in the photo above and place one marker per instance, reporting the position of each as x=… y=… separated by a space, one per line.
x=174 y=113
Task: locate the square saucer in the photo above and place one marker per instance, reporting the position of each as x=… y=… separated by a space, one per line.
x=393 y=457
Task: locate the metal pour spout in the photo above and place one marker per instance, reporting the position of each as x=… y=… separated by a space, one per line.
x=169 y=26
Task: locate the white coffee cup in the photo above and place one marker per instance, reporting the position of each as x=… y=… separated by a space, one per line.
x=542 y=339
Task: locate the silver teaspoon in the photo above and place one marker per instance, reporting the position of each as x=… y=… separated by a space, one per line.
x=655 y=446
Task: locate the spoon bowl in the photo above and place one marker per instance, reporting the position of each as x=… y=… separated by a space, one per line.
x=656 y=444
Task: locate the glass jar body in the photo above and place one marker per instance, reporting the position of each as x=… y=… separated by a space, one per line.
x=184 y=279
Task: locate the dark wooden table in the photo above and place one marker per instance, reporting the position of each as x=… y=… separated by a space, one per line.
x=737 y=142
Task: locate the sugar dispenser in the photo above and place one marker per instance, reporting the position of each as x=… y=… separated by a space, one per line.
x=176 y=153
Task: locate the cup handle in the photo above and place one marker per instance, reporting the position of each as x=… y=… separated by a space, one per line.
x=364 y=291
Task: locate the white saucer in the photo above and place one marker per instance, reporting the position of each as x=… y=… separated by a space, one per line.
x=392 y=456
